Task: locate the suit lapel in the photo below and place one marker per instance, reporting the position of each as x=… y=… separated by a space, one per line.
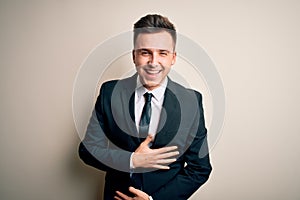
x=169 y=119
x=128 y=96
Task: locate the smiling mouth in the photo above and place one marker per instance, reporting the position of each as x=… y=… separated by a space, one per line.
x=153 y=72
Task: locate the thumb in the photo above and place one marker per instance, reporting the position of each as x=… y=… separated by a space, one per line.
x=138 y=193
x=147 y=140
x=133 y=190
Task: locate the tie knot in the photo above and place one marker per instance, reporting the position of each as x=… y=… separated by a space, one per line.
x=148 y=96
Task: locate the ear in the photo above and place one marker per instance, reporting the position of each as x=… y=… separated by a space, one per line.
x=174 y=58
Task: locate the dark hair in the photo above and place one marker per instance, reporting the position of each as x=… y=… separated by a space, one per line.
x=154 y=23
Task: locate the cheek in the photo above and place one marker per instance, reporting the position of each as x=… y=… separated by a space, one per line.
x=139 y=69
x=168 y=62
x=167 y=70
x=139 y=61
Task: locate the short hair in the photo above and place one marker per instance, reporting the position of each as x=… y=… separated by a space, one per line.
x=154 y=23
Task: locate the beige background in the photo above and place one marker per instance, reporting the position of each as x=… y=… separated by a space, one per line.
x=254 y=44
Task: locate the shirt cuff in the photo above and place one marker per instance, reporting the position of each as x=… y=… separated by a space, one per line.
x=150 y=198
x=131 y=163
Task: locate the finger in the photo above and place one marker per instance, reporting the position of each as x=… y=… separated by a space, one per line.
x=167 y=155
x=123 y=196
x=117 y=198
x=139 y=194
x=156 y=166
x=134 y=191
x=165 y=149
x=166 y=161
x=147 y=140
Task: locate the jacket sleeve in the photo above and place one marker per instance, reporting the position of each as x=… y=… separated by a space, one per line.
x=198 y=167
x=96 y=149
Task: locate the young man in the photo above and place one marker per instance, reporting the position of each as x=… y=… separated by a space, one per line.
x=148 y=132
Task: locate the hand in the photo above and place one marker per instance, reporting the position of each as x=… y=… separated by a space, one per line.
x=153 y=158
x=139 y=195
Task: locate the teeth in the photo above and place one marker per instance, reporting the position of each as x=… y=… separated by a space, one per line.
x=153 y=72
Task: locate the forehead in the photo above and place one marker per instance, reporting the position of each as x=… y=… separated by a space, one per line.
x=160 y=40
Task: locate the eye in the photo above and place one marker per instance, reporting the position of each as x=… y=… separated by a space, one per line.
x=163 y=53
x=144 y=53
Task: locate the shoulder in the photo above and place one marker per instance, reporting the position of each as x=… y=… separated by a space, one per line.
x=183 y=92
x=109 y=84
x=118 y=83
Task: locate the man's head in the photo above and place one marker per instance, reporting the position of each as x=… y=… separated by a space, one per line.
x=154 y=49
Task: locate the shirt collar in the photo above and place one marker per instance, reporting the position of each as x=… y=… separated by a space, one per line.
x=158 y=93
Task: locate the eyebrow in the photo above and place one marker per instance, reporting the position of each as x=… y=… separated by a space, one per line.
x=145 y=49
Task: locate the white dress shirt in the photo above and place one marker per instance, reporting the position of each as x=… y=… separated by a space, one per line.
x=156 y=107
x=156 y=104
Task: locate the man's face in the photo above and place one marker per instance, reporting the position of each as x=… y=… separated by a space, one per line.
x=153 y=56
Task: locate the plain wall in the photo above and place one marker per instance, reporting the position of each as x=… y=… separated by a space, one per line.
x=254 y=44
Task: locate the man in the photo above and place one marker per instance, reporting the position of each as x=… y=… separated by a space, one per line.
x=147 y=132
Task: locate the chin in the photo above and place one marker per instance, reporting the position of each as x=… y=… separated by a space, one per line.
x=151 y=85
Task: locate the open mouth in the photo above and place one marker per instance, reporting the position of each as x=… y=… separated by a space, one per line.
x=152 y=72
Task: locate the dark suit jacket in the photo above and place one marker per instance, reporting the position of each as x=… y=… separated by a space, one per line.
x=112 y=136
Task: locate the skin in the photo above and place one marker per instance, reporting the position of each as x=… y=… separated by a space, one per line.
x=153 y=56
x=155 y=158
x=139 y=195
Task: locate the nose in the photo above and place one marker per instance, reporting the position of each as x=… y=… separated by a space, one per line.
x=154 y=59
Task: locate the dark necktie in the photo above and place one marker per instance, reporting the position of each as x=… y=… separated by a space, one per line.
x=146 y=115
x=137 y=178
